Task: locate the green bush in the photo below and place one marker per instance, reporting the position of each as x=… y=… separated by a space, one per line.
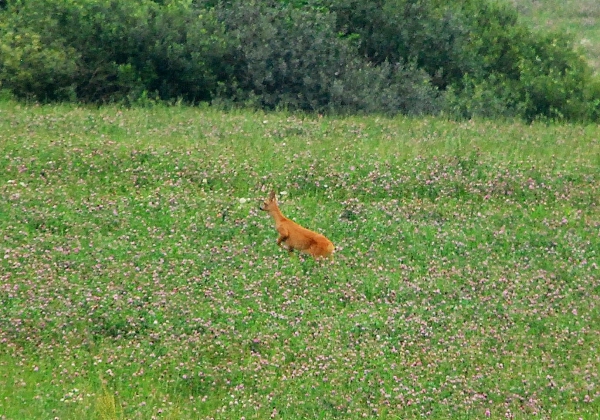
x=95 y=37
x=520 y=73
x=463 y=57
x=105 y=50
x=431 y=36
x=32 y=68
x=386 y=88
x=555 y=80
x=493 y=97
x=286 y=57
x=282 y=57
x=477 y=53
x=186 y=50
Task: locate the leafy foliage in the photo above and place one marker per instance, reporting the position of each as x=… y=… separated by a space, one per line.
x=291 y=58
x=103 y=50
x=479 y=53
x=465 y=58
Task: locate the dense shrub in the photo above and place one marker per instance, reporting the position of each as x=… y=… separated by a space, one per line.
x=477 y=52
x=292 y=58
x=88 y=42
x=32 y=65
x=465 y=58
x=406 y=30
x=105 y=50
x=539 y=75
x=185 y=53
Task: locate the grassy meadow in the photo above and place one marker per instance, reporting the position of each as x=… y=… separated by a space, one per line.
x=139 y=280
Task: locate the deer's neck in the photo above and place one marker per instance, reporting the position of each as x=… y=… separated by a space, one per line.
x=277 y=216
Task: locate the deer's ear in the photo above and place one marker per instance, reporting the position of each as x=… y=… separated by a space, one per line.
x=272 y=195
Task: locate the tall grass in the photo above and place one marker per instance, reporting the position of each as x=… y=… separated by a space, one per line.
x=139 y=279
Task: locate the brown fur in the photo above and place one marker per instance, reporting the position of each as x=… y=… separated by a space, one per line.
x=295 y=236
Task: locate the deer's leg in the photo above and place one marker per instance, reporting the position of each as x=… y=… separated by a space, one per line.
x=281 y=242
x=281 y=239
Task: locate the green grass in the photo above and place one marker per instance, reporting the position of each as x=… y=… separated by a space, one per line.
x=139 y=279
x=579 y=18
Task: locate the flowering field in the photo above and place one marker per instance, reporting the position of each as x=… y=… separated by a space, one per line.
x=139 y=280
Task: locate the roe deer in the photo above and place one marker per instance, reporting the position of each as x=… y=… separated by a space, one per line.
x=295 y=236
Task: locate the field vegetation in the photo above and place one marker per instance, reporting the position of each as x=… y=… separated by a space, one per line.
x=139 y=279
